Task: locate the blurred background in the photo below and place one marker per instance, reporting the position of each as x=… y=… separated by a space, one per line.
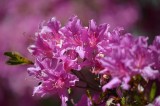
x=19 y=20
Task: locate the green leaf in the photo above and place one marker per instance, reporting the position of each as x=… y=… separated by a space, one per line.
x=123 y=101
x=153 y=92
x=16 y=59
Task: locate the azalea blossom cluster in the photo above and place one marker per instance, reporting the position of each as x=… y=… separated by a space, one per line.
x=114 y=59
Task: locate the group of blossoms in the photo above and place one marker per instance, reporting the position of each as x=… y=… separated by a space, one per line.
x=64 y=54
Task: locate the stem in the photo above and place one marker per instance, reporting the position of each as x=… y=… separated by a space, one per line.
x=90 y=97
x=82 y=78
